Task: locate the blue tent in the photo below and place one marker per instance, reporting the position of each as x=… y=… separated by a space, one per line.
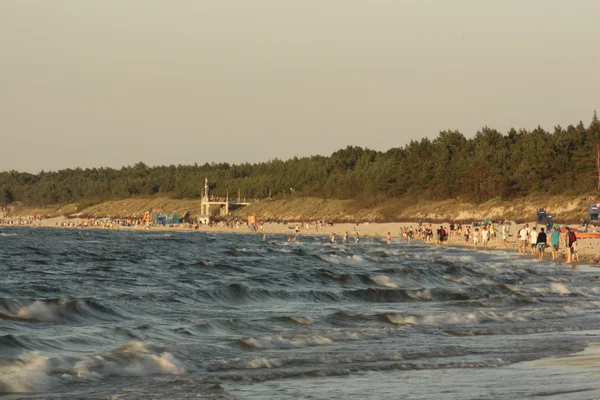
x=541 y=215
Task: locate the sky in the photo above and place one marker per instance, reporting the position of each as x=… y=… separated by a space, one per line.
x=108 y=83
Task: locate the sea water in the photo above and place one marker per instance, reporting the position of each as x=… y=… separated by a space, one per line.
x=93 y=314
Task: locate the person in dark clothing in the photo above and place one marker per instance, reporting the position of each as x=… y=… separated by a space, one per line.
x=571 y=238
x=541 y=244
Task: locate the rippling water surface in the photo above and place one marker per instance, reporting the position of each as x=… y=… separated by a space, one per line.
x=129 y=315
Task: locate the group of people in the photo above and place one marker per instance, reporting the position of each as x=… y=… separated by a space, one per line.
x=537 y=241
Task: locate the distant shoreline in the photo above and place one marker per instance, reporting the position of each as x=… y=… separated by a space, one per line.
x=589 y=249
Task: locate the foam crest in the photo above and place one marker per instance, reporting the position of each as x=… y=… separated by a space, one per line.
x=52 y=310
x=280 y=342
x=559 y=288
x=423 y=294
x=383 y=280
x=40 y=311
x=33 y=372
x=481 y=317
x=301 y=320
x=25 y=375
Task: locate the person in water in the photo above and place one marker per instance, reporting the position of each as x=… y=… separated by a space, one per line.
x=389 y=238
x=332 y=237
x=345 y=236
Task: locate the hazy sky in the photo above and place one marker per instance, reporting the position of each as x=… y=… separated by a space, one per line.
x=95 y=83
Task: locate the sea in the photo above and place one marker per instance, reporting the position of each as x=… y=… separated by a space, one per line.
x=97 y=314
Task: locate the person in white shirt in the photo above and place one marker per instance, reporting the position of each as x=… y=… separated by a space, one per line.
x=485 y=237
x=475 y=237
x=522 y=237
x=533 y=240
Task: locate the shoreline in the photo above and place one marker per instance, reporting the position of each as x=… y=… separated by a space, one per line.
x=588 y=249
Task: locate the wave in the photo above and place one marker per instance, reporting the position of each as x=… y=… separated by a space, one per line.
x=348 y=369
x=383 y=280
x=482 y=317
x=54 y=310
x=300 y=320
x=34 y=372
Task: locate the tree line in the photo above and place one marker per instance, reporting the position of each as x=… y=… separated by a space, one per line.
x=490 y=164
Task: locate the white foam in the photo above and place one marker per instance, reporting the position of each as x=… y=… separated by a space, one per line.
x=383 y=280
x=302 y=320
x=423 y=294
x=25 y=375
x=33 y=372
x=480 y=317
x=280 y=342
x=262 y=362
x=332 y=259
x=40 y=311
x=560 y=289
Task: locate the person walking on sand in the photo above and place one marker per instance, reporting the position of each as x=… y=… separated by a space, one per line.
x=541 y=244
x=533 y=240
x=438 y=237
x=522 y=237
x=389 y=238
x=505 y=233
x=476 y=237
x=555 y=242
x=485 y=237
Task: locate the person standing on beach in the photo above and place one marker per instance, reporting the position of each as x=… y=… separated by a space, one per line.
x=541 y=244
x=533 y=240
x=522 y=236
x=476 y=238
x=575 y=253
x=485 y=237
x=571 y=239
x=439 y=237
x=505 y=233
x=555 y=241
